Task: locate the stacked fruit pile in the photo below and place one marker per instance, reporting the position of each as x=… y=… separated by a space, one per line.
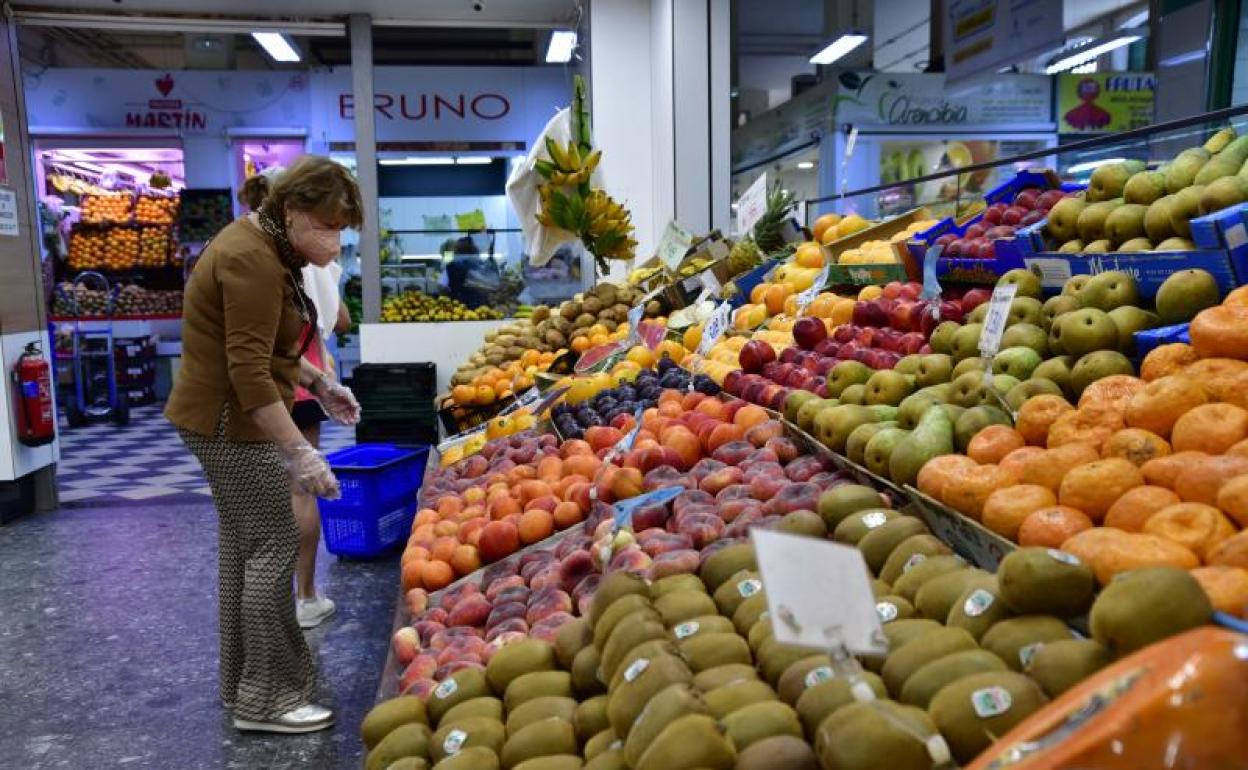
x=1129 y=208
x=106 y=208
x=153 y=247
x=417 y=307
x=133 y=300
x=156 y=209
x=883 y=251
x=113 y=249
x=1000 y=220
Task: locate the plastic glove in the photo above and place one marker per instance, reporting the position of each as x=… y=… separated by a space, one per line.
x=337 y=400
x=309 y=470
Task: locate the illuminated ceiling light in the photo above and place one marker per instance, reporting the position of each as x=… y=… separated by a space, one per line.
x=805 y=165
x=1088 y=166
x=417 y=160
x=1088 y=54
x=1135 y=20
x=473 y=160
x=838 y=48
x=1182 y=58
x=278 y=46
x=562 y=44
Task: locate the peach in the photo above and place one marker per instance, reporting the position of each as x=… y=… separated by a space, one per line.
x=506 y=633
x=548 y=629
x=503 y=507
x=472 y=611
x=733 y=452
x=650 y=515
x=436 y=575
x=760 y=433
x=689 y=401
x=747 y=416
x=503 y=584
x=626 y=483
x=784 y=447
x=503 y=612
x=498 y=539
x=446 y=528
x=666 y=542
x=549 y=469
x=762 y=455
x=416 y=600
x=405 y=643
x=630 y=559
x=470 y=531
x=603 y=437
x=579 y=493
x=793 y=497
x=474 y=495
x=573 y=447
x=685 y=444
x=765 y=487
x=664 y=476
x=425 y=516
x=536 y=524
x=725 y=477
x=465 y=559
x=731 y=510
x=547 y=602
x=803 y=468
x=567 y=514
x=702 y=528
x=427 y=628
x=762 y=469
x=723 y=434
x=670 y=410
x=545 y=502
x=673 y=563
x=457 y=665
x=448 y=505
x=443 y=548
x=532 y=489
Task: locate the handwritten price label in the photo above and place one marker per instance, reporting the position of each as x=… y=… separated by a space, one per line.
x=994 y=321
x=751 y=205
x=674 y=245
x=715 y=327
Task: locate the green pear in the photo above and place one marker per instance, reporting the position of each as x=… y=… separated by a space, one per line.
x=1064 y=217
x=1028 y=282
x=1223 y=193
x=1019 y=394
x=1056 y=371
x=887 y=386
x=1136 y=244
x=1024 y=310
x=833 y=426
x=881 y=447
x=953 y=410
x=969 y=390
x=883 y=412
x=1086 y=330
x=1176 y=244
x=940 y=390
x=1073 y=246
x=856 y=444
x=1144 y=187
x=1107 y=181
x=1157 y=219
x=1097 y=366
x=1027 y=335
x=1182 y=170
x=912 y=409
x=934 y=368
x=1220 y=139
x=1056 y=306
x=977 y=315
x=1102 y=246
x=908 y=364
x=966 y=341
x=942 y=336
x=1225 y=163
x=932 y=437
x=844 y=374
x=1003 y=383
x=1055 y=334
x=1016 y=361
x=974 y=420
x=1129 y=320
x=794 y=402
x=1184 y=206
x=1184 y=294
x=972 y=364
x=1125 y=222
x=855 y=394
x=807 y=412
x=1108 y=290
x=1091 y=223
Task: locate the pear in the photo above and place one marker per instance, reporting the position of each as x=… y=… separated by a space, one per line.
x=1183 y=206
x=974 y=420
x=833 y=425
x=1136 y=244
x=1182 y=171
x=932 y=437
x=914 y=407
x=1056 y=306
x=1086 y=331
x=1184 y=294
x=1223 y=193
x=1144 y=187
x=1024 y=310
x=1016 y=361
x=1056 y=371
x=966 y=341
x=1101 y=246
x=972 y=364
x=1220 y=140
x=933 y=369
x=881 y=447
x=1225 y=163
x=1108 y=290
x=1064 y=216
x=1073 y=246
x=1091 y=222
x=1175 y=244
x=1026 y=335
x=1129 y=320
x=1028 y=283
x=1157 y=220
x=1035 y=386
x=1098 y=366
x=942 y=336
x=1107 y=181
x=1125 y=222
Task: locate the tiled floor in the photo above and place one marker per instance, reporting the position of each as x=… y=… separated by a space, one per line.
x=108 y=644
x=143 y=462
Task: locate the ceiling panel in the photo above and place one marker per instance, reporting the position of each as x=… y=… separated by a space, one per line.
x=493 y=11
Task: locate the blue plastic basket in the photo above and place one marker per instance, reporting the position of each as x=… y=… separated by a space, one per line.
x=379 y=483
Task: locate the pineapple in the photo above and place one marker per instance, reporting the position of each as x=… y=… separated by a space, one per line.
x=780 y=205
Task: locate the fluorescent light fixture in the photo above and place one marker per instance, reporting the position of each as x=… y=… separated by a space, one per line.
x=1088 y=54
x=562 y=44
x=1089 y=165
x=838 y=48
x=418 y=160
x=805 y=164
x=1084 y=69
x=1182 y=58
x=1135 y=20
x=474 y=160
x=277 y=45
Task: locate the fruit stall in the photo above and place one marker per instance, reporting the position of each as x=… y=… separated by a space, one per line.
x=1040 y=487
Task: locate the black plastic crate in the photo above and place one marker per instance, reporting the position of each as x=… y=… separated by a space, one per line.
x=383 y=380
x=400 y=432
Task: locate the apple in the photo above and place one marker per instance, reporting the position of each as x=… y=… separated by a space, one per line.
x=1013 y=215
x=975 y=231
x=848 y=351
x=732 y=380
x=1049 y=198
x=925 y=349
x=770 y=369
x=950 y=310
x=776 y=402
x=753 y=392
x=982 y=248
x=945 y=240
x=828 y=346
x=809 y=332
x=818 y=384
x=911 y=290
x=756 y=354
x=789 y=355
x=866 y=336
x=865 y=355
x=796 y=378
x=901 y=318
x=956 y=248
x=1027 y=198
x=1034 y=216
x=974 y=298
x=873 y=313
x=826 y=363
x=892 y=289
x=621 y=421
x=992 y=215
x=811 y=362
x=887 y=339
x=845 y=333
x=911 y=342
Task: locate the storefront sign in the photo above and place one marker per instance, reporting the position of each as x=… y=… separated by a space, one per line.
x=923 y=101
x=983 y=35
x=1104 y=102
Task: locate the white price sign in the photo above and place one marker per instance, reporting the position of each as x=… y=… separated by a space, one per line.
x=994 y=321
x=674 y=245
x=808 y=296
x=796 y=573
x=715 y=327
x=751 y=205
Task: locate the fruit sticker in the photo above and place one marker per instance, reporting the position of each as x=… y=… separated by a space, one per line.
x=446 y=689
x=817 y=675
x=454 y=740
x=991 y=701
x=874 y=519
x=1027 y=652
x=1064 y=558
x=977 y=603
x=915 y=560
x=887 y=611
x=686 y=630
x=635 y=670
x=748 y=588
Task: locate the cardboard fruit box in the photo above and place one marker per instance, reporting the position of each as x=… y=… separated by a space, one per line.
x=906 y=268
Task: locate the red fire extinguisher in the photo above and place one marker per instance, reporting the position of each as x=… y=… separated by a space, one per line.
x=36 y=418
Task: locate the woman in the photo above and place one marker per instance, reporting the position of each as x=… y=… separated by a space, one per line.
x=246 y=319
x=321 y=285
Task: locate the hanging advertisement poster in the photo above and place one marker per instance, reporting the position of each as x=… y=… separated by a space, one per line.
x=983 y=35
x=1104 y=102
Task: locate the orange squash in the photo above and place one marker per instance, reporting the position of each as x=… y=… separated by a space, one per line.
x=1187 y=691
x=1221 y=331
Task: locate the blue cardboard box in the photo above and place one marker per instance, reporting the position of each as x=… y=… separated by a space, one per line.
x=1149 y=268
x=1225 y=229
x=1148 y=339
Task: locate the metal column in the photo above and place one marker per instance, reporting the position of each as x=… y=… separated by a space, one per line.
x=361 y=30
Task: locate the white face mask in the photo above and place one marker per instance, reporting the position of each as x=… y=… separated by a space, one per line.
x=315 y=242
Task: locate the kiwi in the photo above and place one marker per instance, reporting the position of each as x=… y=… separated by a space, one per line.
x=606 y=740
x=1146 y=605
x=774 y=657
x=535 y=710
x=519 y=657
x=910 y=552
x=538 y=684
x=707 y=651
x=736 y=590
x=748 y=612
x=856 y=526
x=590 y=718
x=471 y=758
x=1017 y=640
x=924 y=683
x=552 y=762
x=893 y=608
x=916 y=653
x=703 y=624
x=683 y=582
x=573 y=637
x=779 y=752
x=679 y=606
x=629 y=632
x=973 y=710
x=1059 y=666
x=612 y=587
x=726 y=699
x=714 y=678
x=822 y=698
x=878 y=544
x=692 y=741
x=757 y=721
x=663 y=709
x=611 y=759
x=908 y=584
x=938 y=595
x=410 y=739
x=805 y=672
x=1046 y=581
x=586 y=675
x=539 y=739
x=978 y=609
x=466 y=733
x=859 y=737
x=477 y=707
x=387 y=715
x=465 y=684
x=622 y=608
x=641 y=682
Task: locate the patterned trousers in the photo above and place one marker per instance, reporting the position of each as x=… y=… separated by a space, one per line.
x=266 y=668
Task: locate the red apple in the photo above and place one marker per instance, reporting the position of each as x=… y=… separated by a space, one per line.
x=848 y=351
x=974 y=298
x=1001 y=231
x=789 y=355
x=911 y=290
x=1034 y=216
x=776 y=402
x=976 y=230
x=992 y=216
x=866 y=336
x=1013 y=215
x=845 y=333
x=1027 y=199
x=892 y=289
x=808 y=332
x=901 y=317
x=828 y=346
x=825 y=364
x=945 y=240
x=871 y=313
x=770 y=370
x=1049 y=198
x=911 y=342
x=756 y=354
x=982 y=248
x=956 y=248
x=732 y=381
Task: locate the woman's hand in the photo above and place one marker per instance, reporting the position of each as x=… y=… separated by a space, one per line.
x=309 y=470
x=337 y=400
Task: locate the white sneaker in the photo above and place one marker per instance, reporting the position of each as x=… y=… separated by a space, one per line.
x=305 y=719
x=312 y=612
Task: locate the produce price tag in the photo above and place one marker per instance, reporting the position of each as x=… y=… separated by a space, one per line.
x=751 y=205
x=796 y=571
x=674 y=245
x=808 y=296
x=634 y=323
x=630 y=438
x=710 y=283
x=624 y=509
x=931 y=286
x=994 y=321
x=460 y=438
x=715 y=326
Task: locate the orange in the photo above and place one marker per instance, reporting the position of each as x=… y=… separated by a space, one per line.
x=1007 y=508
x=1195 y=526
x=485 y=395
x=1092 y=425
x=1160 y=403
x=692 y=337
x=411 y=574
x=826 y=221
x=969 y=494
x=580 y=344
x=1136 y=550
x=1135 y=444
x=1037 y=415
x=758 y=292
x=1013 y=462
x=597 y=339
x=1052 y=526
x=463 y=394
x=1237 y=297
x=1210 y=428
x=1233 y=499
x=938 y=472
x=436 y=575
x=670 y=348
x=1202 y=481
x=1048 y=469
x=809 y=254
x=843 y=312
x=1164 y=471
x=1232 y=552
x=1095 y=486
x=1110 y=393
x=1165 y=360
x=1131 y=511
x=993 y=443
x=465 y=560
x=641 y=355
x=1227 y=588
x=1221 y=331
x=775 y=297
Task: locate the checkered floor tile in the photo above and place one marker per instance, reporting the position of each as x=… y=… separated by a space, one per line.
x=143 y=461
